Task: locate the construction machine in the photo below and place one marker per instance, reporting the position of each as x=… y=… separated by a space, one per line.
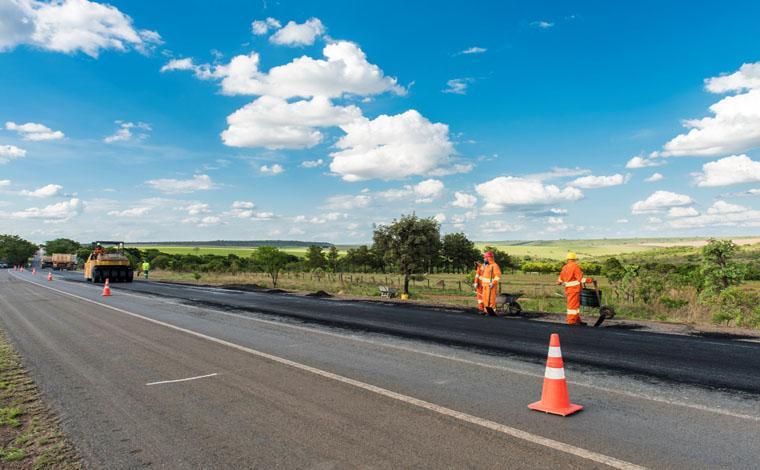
x=108 y=261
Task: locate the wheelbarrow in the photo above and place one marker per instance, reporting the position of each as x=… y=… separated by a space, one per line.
x=507 y=304
x=593 y=298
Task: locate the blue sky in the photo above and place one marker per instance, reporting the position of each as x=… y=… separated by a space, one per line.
x=316 y=120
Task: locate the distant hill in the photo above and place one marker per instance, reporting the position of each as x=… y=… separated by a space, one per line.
x=235 y=243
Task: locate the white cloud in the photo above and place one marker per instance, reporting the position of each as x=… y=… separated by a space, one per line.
x=642 y=162
x=660 y=200
x=654 y=178
x=499 y=226
x=71 y=26
x=124 y=132
x=209 y=221
x=176 y=186
x=593 y=182
x=555 y=224
x=474 y=50
x=275 y=169
x=197 y=208
x=345 y=70
x=727 y=171
x=313 y=163
x=542 y=24
x=622 y=221
x=242 y=209
x=261 y=27
x=275 y=123
x=4 y=183
x=505 y=191
x=347 y=202
x=132 y=212
x=34 y=131
x=391 y=147
x=428 y=190
x=457 y=86
x=464 y=200
x=720 y=214
x=10 y=152
x=60 y=211
x=735 y=124
x=49 y=190
x=440 y=217
x=179 y=64
x=682 y=212
x=294 y=34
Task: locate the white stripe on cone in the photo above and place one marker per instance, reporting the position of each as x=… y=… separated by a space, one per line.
x=555 y=351
x=555 y=373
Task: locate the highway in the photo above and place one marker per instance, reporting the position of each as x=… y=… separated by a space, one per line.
x=193 y=377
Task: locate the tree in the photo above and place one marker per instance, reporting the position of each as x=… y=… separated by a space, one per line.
x=15 y=250
x=332 y=259
x=458 y=252
x=315 y=258
x=62 y=245
x=410 y=244
x=272 y=261
x=719 y=269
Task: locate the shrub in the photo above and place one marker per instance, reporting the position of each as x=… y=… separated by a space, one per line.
x=672 y=303
x=739 y=306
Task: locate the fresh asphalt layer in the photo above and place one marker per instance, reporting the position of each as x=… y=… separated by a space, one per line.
x=232 y=379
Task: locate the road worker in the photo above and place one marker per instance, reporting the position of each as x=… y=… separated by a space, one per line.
x=478 y=286
x=572 y=278
x=145 y=268
x=490 y=279
x=99 y=250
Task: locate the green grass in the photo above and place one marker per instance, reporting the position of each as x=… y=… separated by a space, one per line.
x=243 y=252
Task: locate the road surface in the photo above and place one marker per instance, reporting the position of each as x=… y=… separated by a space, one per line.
x=188 y=377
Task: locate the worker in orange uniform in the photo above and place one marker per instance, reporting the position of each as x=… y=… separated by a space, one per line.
x=572 y=278
x=478 y=286
x=490 y=279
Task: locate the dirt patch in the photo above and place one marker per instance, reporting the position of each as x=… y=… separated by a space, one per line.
x=319 y=294
x=30 y=436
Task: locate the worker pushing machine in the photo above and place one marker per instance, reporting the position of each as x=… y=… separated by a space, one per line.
x=572 y=278
x=477 y=284
x=490 y=279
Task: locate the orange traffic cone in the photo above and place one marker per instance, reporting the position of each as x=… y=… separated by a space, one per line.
x=106 y=289
x=554 y=397
x=34 y=272
x=50 y=276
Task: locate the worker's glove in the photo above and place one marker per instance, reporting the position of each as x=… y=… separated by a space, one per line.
x=474 y=285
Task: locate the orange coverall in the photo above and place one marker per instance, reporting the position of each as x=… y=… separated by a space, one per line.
x=490 y=279
x=478 y=284
x=572 y=278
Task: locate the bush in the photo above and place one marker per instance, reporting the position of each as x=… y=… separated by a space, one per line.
x=738 y=306
x=672 y=303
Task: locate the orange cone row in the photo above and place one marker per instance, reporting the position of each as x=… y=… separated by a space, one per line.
x=554 y=397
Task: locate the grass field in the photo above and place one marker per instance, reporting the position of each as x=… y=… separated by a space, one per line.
x=215 y=250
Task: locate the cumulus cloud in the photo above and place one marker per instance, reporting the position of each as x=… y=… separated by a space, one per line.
x=294 y=34
x=720 y=214
x=727 y=171
x=71 y=26
x=474 y=50
x=131 y=212
x=424 y=192
x=642 y=162
x=4 y=183
x=60 y=211
x=499 y=226
x=555 y=224
x=179 y=64
x=654 y=178
x=347 y=202
x=464 y=200
x=177 y=186
x=275 y=169
x=275 y=123
x=262 y=27
x=593 y=182
x=49 y=190
x=457 y=86
x=10 y=152
x=125 y=132
x=440 y=217
x=682 y=212
x=511 y=191
x=542 y=24
x=391 y=147
x=659 y=201
x=312 y=163
x=735 y=124
x=34 y=131
x=197 y=208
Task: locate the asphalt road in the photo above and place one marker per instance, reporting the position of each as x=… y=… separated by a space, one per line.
x=319 y=383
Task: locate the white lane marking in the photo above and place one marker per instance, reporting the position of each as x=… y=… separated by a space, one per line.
x=504 y=429
x=452 y=358
x=181 y=380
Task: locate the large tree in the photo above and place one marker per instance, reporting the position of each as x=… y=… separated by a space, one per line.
x=315 y=258
x=272 y=261
x=62 y=245
x=332 y=259
x=15 y=250
x=719 y=269
x=458 y=252
x=410 y=244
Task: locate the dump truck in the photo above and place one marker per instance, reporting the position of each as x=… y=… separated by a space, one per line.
x=111 y=263
x=64 y=261
x=46 y=262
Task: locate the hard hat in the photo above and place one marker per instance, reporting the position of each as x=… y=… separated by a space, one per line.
x=571 y=255
x=488 y=254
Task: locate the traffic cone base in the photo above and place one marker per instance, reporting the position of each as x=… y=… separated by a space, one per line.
x=554 y=397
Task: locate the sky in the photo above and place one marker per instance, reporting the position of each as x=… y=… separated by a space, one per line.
x=194 y=120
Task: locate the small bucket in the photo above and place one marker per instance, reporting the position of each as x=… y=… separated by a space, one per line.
x=589 y=299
